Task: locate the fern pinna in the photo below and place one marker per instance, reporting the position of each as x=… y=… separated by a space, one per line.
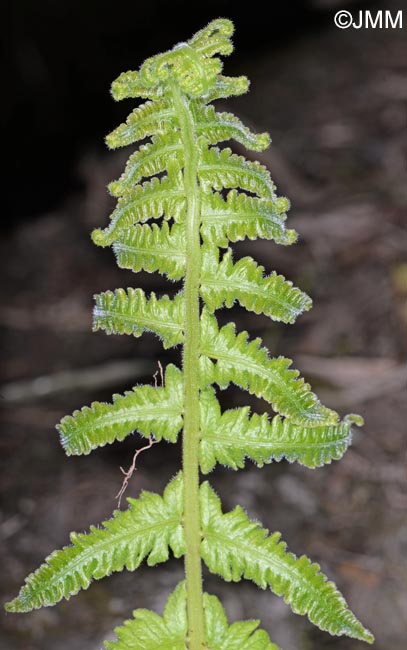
x=189 y=177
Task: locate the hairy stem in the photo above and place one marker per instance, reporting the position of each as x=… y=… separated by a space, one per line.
x=193 y=569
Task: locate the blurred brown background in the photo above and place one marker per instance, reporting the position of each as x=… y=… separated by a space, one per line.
x=335 y=104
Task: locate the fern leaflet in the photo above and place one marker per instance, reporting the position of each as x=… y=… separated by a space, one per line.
x=151 y=200
x=247 y=365
x=218 y=127
x=231 y=437
x=226 y=87
x=223 y=283
x=148 y=160
x=220 y=168
x=152 y=249
x=150 y=411
x=147 y=529
x=236 y=547
x=242 y=216
x=153 y=117
x=130 y=312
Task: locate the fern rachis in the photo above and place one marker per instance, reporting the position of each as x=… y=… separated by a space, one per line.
x=178 y=177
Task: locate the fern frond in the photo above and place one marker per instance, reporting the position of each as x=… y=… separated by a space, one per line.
x=223 y=283
x=242 y=216
x=151 y=200
x=149 y=410
x=235 y=547
x=151 y=118
x=129 y=312
x=220 y=168
x=148 y=160
x=248 y=365
x=153 y=249
x=231 y=437
x=149 y=631
x=180 y=174
x=147 y=529
x=219 y=127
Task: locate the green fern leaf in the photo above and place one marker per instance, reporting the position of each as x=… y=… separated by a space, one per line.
x=220 y=168
x=231 y=437
x=149 y=631
x=235 y=547
x=148 y=160
x=129 y=312
x=152 y=249
x=151 y=118
x=242 y=216
x=248 y=365
x=151 y=200
x=223 y=283
x=147 y=529
x=226 y=87
x=148 y=410
x=219 y=127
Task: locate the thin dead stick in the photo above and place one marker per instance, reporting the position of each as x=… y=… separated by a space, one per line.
x=132 y=469
x=161 y=371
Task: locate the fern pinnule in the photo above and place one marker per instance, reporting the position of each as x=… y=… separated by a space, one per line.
x=241 y=216
x=131 y=312
x=223 y=283
x=151 y=248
